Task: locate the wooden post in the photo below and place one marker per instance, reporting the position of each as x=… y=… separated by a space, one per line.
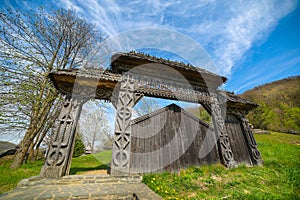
x=60 y=151
x=122 y=138
x=252 y=145
x=224 y=147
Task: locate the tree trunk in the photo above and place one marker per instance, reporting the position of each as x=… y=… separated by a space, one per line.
x=36 y=154
x=93 y=143
x=34 y=128
x=39 y=142
x=33 y=148
x=22 y=151
x=31 y=152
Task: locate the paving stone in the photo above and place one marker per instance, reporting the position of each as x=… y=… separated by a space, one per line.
x=82 y=187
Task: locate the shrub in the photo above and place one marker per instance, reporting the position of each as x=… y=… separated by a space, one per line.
x=78 y=148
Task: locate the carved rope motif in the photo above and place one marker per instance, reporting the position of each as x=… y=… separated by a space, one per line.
x=256 y=157
x=224 y=141
x=156 y=86
x=121 y=145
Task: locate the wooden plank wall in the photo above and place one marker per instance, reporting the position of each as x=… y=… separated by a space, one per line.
x=170 y=139
x=237 y=140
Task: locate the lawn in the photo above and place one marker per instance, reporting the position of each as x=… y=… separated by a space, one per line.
x=277 y=179
x=91 y=162
x=9 y=178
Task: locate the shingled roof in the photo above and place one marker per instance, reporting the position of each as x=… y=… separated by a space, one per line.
x=121 y=62
x=235 y=101
x=64 y=80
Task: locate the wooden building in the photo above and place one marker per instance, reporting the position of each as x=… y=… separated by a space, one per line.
x=174 y=141
x=171 y=138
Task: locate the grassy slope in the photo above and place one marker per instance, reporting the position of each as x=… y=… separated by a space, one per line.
x=278 y=179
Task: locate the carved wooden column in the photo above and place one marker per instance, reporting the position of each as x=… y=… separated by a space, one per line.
x=224 y=147
x=253 y=150
x=122 y=138
x=60 y=152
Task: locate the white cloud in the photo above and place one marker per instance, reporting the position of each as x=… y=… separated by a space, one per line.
x=280 y=65
x=249 y=24
x=226 y=29
x=69 y=4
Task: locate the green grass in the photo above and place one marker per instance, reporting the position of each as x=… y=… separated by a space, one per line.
x=277 y=179
x=90 y=162
x=9 y=178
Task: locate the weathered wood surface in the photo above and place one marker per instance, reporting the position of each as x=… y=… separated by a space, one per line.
x=58 y=159
x=122 y=138
x=170 y=139
x=237 y=139
x=167 y=140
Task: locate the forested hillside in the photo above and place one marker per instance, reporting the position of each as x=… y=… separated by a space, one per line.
x=279 y=105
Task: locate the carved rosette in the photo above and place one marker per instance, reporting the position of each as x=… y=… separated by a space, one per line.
x=103 y=93
x=121 y=144
x=60 y=151
x=91 y=92
x=226 y=153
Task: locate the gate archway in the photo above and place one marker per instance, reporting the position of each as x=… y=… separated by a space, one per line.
x=124 y=84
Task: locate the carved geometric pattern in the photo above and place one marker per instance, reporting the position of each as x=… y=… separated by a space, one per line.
x=61 y=140
x=170 y=89
x=224 y=141
x=144 y=84
x=103 y=93
x=83 y=92
x=121 y=144
x=255 y=154
x=58 y=157
x=236 y=111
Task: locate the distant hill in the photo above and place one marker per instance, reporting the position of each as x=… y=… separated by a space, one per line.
x=7 y=148
x=279 y=105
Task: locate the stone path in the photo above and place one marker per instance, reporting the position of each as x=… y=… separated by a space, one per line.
x=259 y=131
x=82 y=187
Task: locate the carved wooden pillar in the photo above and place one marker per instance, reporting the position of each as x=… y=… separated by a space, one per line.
x=253 y=150
x=59 y=156
x=122 y=138
x=224 y=147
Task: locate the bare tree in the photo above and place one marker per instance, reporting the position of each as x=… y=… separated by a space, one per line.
x=94 y=125
x=32 y=44
x=145 y=106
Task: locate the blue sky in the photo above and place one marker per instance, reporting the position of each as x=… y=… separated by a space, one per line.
x=250 y=42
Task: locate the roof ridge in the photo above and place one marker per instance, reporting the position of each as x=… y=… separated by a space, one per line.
x=168 y=107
